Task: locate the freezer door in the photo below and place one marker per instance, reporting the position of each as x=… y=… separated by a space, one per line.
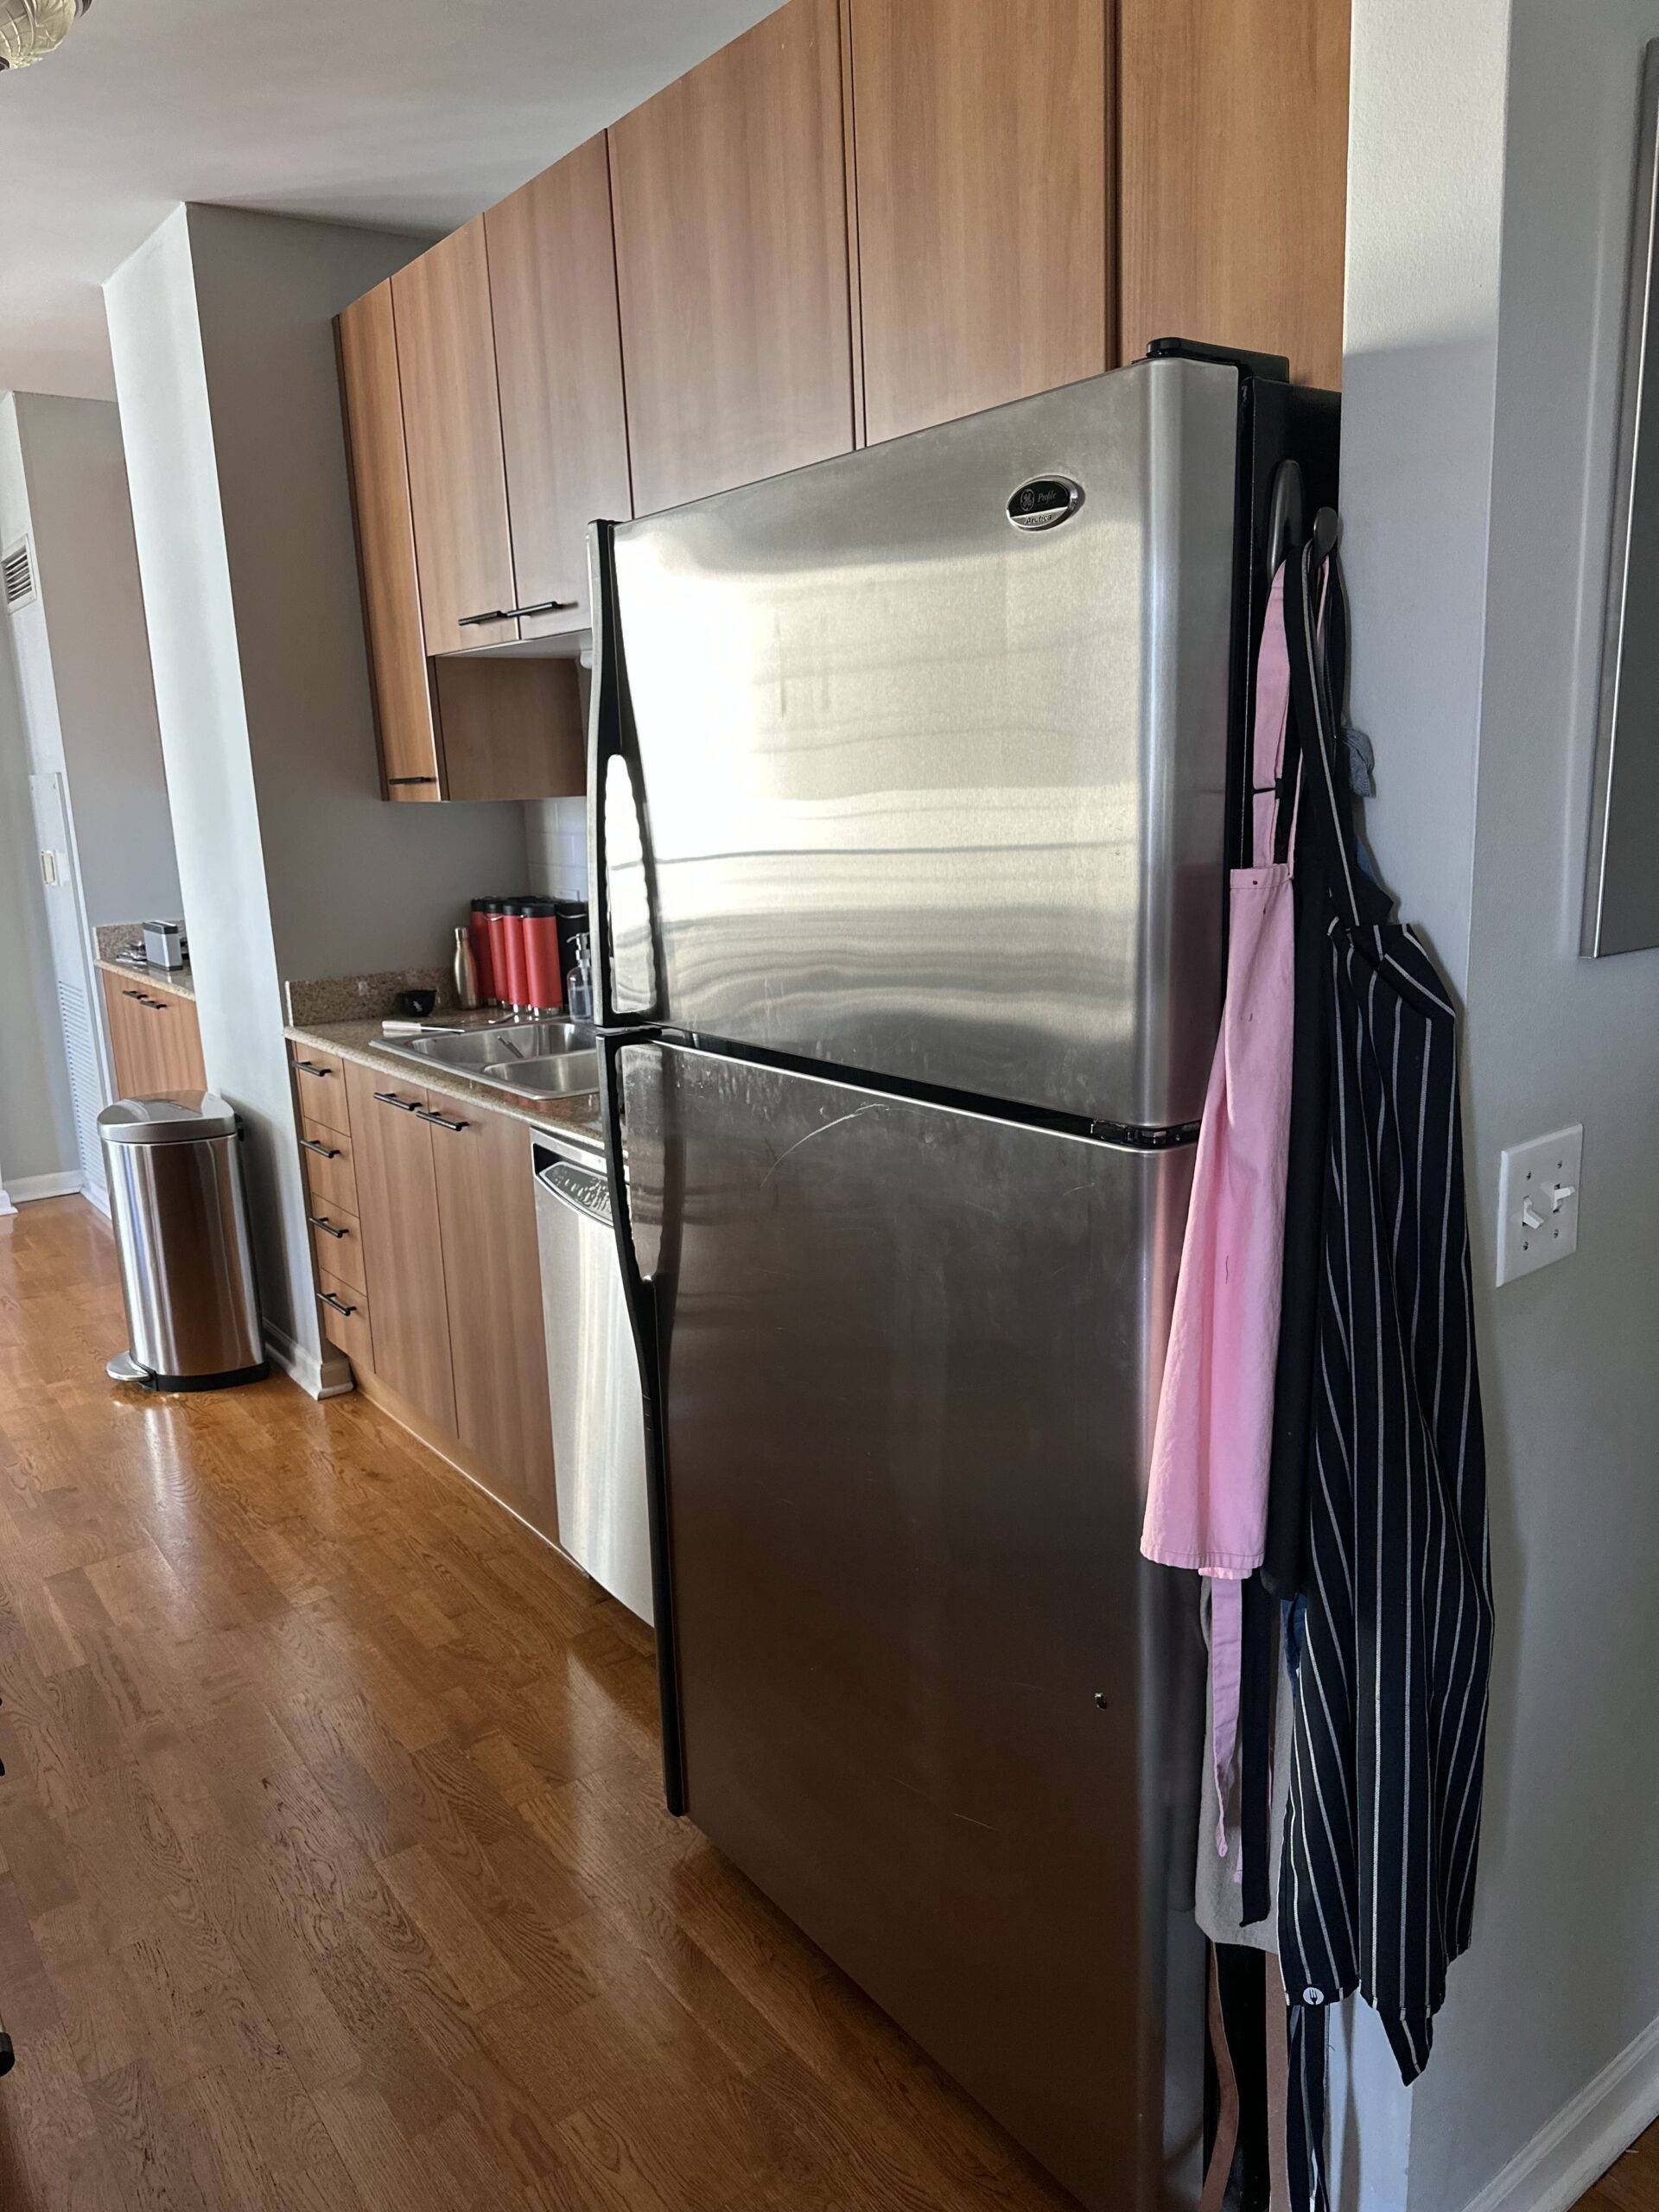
x=932 y=1701
x=921 y=792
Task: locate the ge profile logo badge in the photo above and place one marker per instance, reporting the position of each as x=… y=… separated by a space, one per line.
x=1044 y=502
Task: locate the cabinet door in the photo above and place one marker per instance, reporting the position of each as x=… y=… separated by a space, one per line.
x=400 y=681
x=173 y=1049
x=451 y=431
x=979 y=140
x=732 y=264
x=487 y=1204
x=122 y=1013
x=402 y=1247
x=1234 y=172
x=558 y=352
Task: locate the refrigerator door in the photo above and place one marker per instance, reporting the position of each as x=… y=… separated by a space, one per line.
x=910 y=788
x=932 y=1701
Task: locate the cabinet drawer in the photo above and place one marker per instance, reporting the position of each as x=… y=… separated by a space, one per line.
x=345 y=1313
x=337 y=1242
x=320 y=1084
x=330 y=1171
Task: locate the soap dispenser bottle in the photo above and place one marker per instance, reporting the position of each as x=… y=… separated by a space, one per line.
x=579 y=985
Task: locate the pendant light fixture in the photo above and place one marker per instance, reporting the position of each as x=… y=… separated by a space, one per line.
x=30 y=29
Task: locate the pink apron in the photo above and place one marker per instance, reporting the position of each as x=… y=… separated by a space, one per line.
x=1207 y=1500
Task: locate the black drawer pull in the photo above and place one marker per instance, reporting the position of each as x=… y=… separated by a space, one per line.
x=441 y=1121
x=322 y=1151
x=410 y=779
x=511 y=613
x=338 y=1304
x=328 y=1228
x=390 y=1098
x=310 y=1067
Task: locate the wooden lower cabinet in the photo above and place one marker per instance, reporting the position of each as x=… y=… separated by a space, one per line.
x=397 y=1199
x=446 y=1322
x=154 y=1040
x=486 y=1210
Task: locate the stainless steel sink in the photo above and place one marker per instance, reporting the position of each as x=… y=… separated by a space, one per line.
x=539 y=1059
x=556 y=1075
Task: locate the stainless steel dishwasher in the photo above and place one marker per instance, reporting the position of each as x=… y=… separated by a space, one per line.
x=599 y=1437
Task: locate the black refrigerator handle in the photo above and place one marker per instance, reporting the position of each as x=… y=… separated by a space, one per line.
x=610 y=738
x=641 y=1299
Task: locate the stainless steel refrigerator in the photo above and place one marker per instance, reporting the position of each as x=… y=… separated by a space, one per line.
x=914 y=779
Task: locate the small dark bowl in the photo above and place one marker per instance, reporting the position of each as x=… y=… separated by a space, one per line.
x=416 y=1004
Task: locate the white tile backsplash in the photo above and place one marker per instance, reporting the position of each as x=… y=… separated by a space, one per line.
x=555 y=835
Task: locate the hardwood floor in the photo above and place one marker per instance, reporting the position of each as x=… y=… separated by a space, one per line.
x=334 y=1870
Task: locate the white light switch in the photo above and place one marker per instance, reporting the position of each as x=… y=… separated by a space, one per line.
x=1538 y=1203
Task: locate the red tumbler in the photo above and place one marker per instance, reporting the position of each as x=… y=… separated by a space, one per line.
x=478 y=931
x=497 y=914
x=515 y=990
x=541 y=925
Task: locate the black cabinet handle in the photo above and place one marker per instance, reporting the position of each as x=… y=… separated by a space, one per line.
x=328 y=1228
x=410 y=779
x=127 y=992
x=338 y=1304
x=441 y=1121
x=390 y=1098
x=322 y=1151
x=310 y=1067
x=511 y=613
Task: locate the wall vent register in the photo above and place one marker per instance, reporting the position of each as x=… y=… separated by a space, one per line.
x=17 y=567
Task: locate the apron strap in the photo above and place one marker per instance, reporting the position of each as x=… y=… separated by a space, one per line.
x=1317 y=631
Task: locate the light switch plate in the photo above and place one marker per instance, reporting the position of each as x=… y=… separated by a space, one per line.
x=1538 y=1203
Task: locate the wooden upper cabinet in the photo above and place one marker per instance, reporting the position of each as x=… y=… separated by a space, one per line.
x=980 y=136
x=399 y=679
x=1234 y=166
x=559 y=354
x=730 y=195
x=451 y=431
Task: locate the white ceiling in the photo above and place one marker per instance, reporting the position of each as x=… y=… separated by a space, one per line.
x=408 y=114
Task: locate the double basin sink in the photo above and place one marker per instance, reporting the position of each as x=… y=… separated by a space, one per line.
x=533 y=1060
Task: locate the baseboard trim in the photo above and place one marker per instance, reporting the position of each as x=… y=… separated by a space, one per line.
x=70 y=1185
x=1571 y=2153
x=330 y=1376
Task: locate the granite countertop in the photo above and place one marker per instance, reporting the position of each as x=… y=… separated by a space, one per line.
x=363 y=1041
x=175 y=981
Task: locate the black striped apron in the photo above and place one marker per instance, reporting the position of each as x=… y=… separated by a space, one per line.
x=1382 y=1835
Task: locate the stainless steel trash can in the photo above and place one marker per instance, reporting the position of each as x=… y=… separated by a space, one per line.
x=180 y=1214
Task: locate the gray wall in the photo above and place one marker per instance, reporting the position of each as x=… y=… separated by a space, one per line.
x=355 y=883
x=1564 y=1974
x=98 y=724
x=220 y=328
x=1490 y=208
